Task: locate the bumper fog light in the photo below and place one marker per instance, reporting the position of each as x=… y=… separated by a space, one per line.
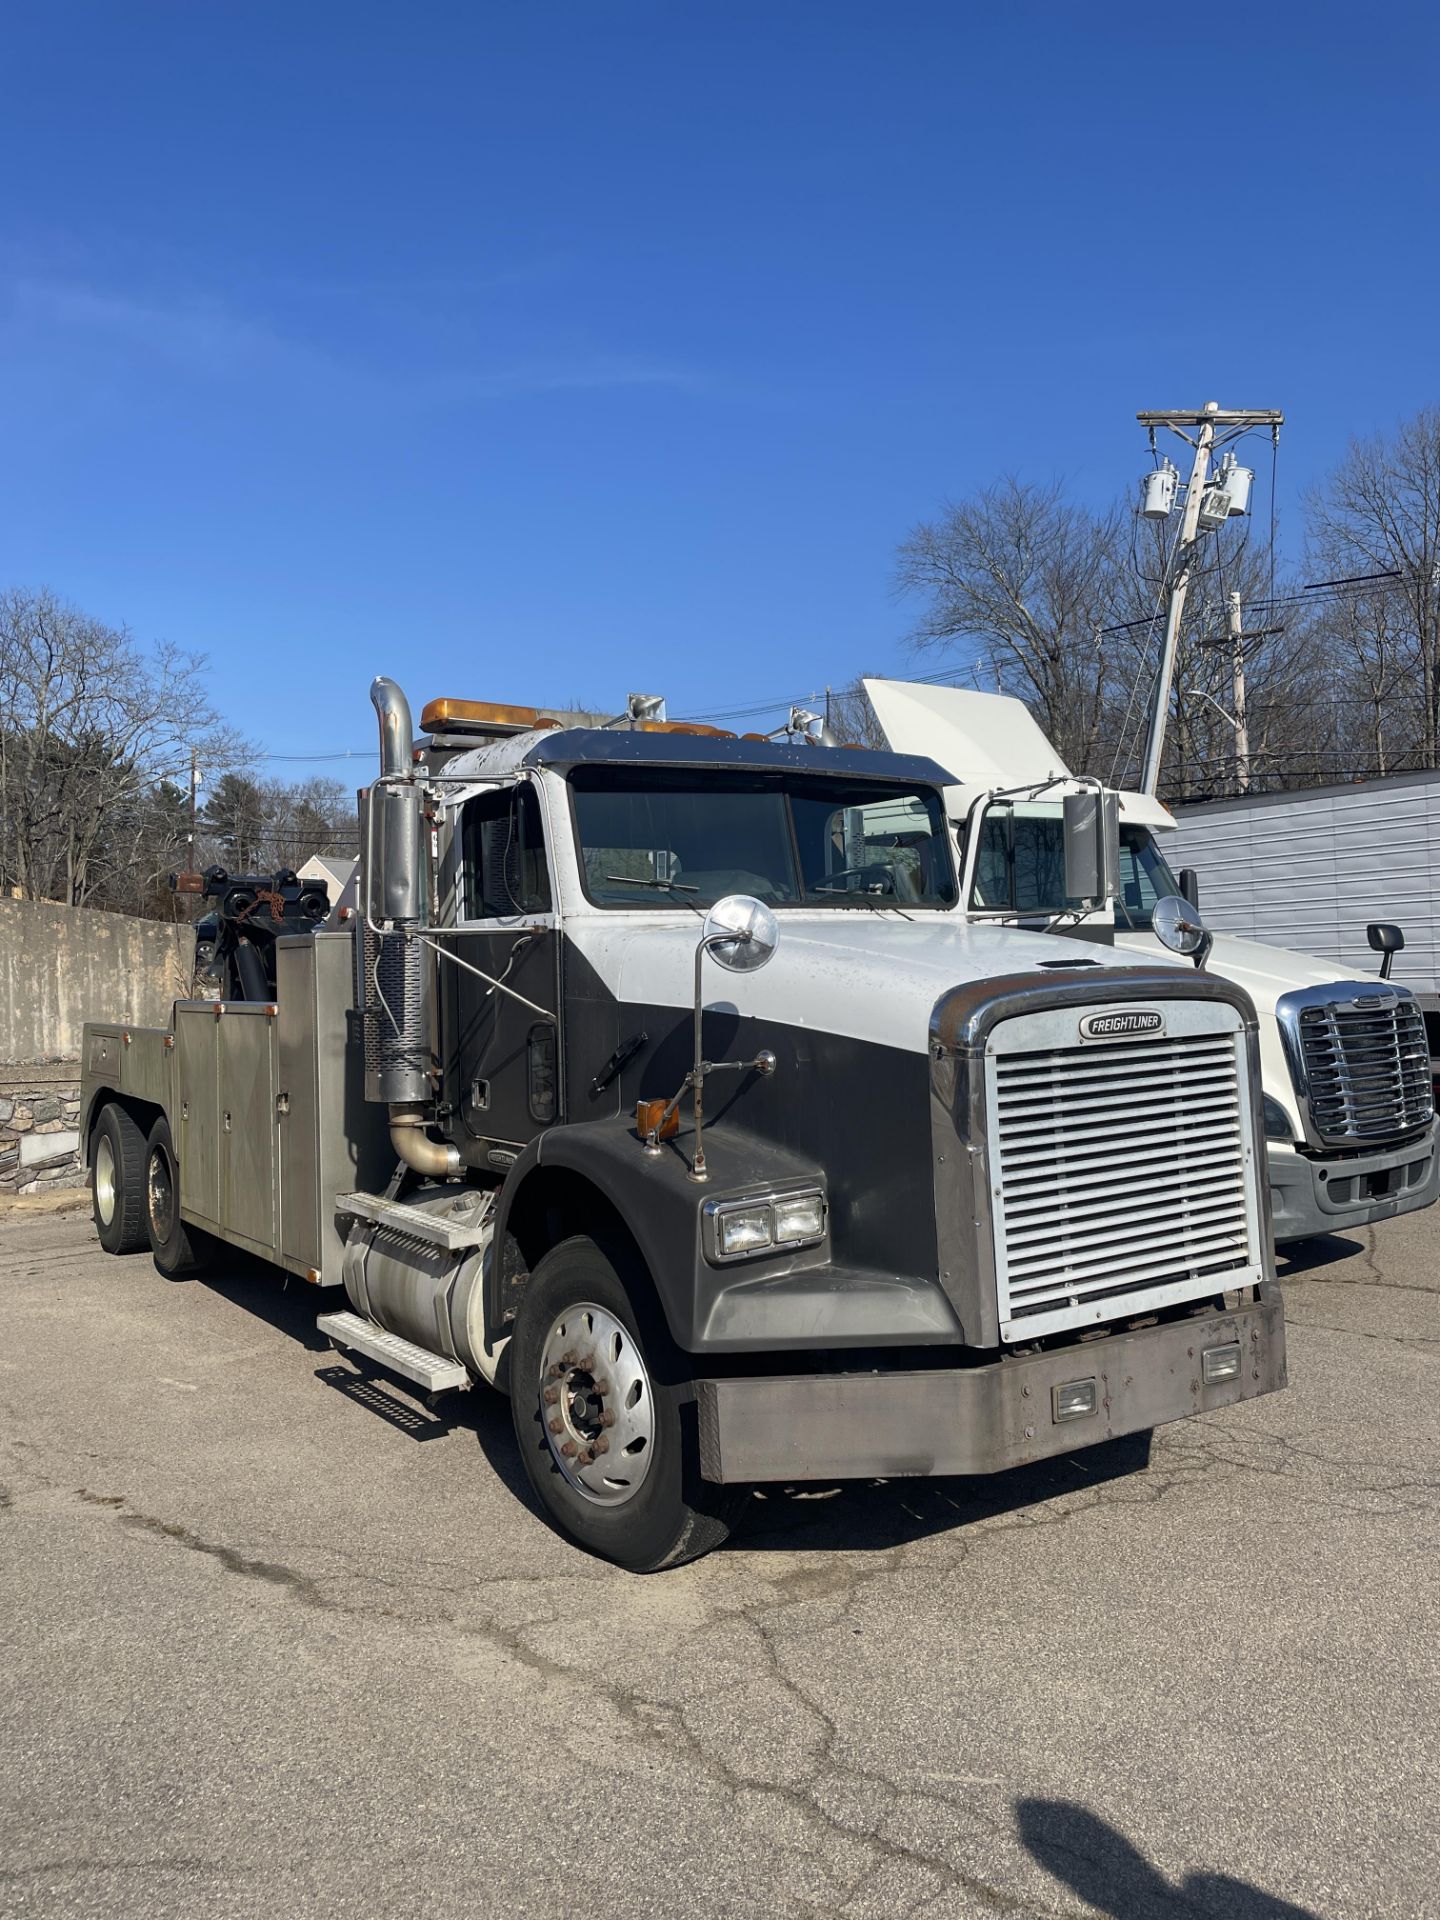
x=802 y=1218
x=1075 y=1399
x=1220 y=1363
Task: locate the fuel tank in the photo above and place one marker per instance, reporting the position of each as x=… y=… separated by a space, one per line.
x=423 y=1289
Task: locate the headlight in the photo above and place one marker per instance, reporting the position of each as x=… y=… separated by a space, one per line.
x=735 y=1229
x=799 y=1218
x=744 y=1230
x=1278 y=1124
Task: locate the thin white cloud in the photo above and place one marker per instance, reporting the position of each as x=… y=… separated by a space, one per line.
x=210 y=340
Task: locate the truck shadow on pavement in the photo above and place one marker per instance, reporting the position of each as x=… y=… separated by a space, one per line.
x=1304 y=1256
x=1096 y=1862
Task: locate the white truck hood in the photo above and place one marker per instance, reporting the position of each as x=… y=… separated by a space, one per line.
x=1265 y=973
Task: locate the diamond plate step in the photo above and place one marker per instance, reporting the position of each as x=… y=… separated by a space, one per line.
x=469 y=1230
x=350 y=1333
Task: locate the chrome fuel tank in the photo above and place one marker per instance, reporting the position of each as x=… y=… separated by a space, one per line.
x=422 y=1289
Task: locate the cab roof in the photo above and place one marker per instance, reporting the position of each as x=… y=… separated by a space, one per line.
x=569 y=747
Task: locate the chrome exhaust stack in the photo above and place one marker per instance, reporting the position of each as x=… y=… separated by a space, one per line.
x=394 y=987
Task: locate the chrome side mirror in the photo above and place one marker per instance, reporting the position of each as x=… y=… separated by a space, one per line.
x=1091 y=828
x=742 y=934
x=1179 y=927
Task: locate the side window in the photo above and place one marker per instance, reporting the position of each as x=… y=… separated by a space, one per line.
x=503 y=851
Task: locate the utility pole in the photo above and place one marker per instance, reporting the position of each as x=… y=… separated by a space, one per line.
x=1236 y=635
x=194 y=787
x=1236 y=639
x=1206 y=507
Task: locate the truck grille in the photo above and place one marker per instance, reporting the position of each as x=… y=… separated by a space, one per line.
x=1123 y=1173
x=1367 y=1068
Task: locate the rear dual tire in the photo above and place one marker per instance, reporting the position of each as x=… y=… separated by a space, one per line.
x=179 y=1249
x=117 y=1181
x=604 y=1414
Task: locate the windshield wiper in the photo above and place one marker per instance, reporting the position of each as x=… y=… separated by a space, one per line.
x=669 y=886
x=866 y=900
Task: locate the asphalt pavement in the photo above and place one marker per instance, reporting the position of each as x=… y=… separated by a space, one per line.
x=276 y=1641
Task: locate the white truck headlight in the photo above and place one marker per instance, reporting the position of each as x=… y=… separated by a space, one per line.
x=1278 y=1125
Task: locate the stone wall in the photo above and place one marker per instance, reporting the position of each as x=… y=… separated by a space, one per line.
x=62 y=966
x=39 y=1127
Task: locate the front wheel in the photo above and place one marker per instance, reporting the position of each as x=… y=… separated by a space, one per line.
x=605 y=1418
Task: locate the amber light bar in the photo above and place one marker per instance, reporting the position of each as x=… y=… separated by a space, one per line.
x=489 y=716
x=485 y=716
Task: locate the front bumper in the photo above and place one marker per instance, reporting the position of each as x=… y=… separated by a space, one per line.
x=846 y=1426
x=1327 y=1194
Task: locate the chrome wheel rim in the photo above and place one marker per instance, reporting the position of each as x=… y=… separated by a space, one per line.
x=105 y=1180
x=159 y=1194
x=597 y=1405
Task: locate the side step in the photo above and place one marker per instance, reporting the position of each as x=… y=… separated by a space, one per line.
x=420 y=1223
x=349 y=1333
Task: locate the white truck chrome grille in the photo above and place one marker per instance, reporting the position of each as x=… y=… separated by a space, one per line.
x=1123 y=1174
x=1367 y=1068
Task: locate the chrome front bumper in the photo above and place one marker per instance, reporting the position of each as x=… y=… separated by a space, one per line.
x=971 y=1420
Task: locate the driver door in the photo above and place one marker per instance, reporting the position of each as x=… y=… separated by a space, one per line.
x=502 y=1076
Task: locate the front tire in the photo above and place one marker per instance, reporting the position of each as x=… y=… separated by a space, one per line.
x=179 y=1250
x=604 y=1415
x=117 y=1181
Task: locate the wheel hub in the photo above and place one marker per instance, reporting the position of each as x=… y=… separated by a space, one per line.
x=160 y=1194
x=597 y=1405
x=105 y=1179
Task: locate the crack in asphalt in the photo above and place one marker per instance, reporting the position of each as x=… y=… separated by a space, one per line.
x=653 y=1719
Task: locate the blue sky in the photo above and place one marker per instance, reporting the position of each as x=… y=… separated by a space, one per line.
x=545 y=351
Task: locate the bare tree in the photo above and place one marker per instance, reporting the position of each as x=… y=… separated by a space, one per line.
x=1028 y=579
x=1379 y=512
x=92 y=729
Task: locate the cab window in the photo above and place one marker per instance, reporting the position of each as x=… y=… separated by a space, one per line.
x=503 y=855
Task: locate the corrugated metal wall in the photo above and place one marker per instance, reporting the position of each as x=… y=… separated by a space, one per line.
x=1310 y=869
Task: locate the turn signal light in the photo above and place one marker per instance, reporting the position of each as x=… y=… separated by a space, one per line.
x=650 y=1114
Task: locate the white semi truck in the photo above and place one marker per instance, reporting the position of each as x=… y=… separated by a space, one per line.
x=1348 y=1097
x=661 y=1080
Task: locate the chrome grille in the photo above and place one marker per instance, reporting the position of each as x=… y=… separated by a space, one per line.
x=1123 y=1178
x=1367 y=1067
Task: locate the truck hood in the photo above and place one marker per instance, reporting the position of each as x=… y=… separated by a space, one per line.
x=1264 y=972
x=868 y=977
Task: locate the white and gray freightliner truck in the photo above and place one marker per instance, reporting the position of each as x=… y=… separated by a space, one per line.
x=1348 y=1092
x=661 y=1080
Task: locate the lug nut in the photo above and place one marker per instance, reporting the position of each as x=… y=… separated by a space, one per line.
x=602 y=1386
x=553 y=1373
x=568 y=1449
x=602 y=1445
x=556 y=1426
x=552 y=1394
x=607 y=1418
x=584 y=1459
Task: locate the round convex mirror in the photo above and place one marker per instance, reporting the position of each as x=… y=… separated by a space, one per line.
x=1177 y=924
x=741 y=932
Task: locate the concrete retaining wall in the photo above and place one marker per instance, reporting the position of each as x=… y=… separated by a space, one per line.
x=39 y=1127
x=62 y=966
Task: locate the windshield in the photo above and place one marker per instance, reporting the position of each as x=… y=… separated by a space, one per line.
x=1020 y=866
x=662 y=838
